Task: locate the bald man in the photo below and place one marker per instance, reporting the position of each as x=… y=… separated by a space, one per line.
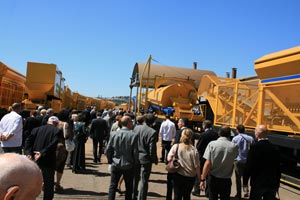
x=40 y=146
x=20 y=178
x=262 y=167
x=122 y=154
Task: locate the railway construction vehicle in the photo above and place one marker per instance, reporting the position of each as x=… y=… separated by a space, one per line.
x=12 y=86
x=166 y=90
x=45 y=86
x=272 y=98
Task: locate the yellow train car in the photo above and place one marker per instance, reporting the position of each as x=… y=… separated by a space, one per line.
x=80 y=101
x=12 y=86
x=272 y=98
x=68 y=98
x=166 y=90
x=45 y=85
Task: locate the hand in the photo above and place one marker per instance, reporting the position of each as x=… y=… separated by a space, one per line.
x=202 y=185
x=3 y=137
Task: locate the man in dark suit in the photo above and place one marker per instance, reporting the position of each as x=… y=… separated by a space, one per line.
x=203 y=140
x=182 y=124
x=262 y=167
x=40 y=146
x=99 y=130
x=147 y=155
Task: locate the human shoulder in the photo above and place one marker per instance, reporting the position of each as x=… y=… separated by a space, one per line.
x=236 y=138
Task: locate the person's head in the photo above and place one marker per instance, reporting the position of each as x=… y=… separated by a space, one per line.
x=50 y=111
x=261 y=131
x=40 y=108
x=81 y=117
x=20 y=178
x=140 y=119
x=126 y=121
x=182 y=122
x=99 y=114
x=74 y=117
x=63 y=115
x=149 y=119
x=225 y=131
x=206 y=124
x=187 y=136
x=240 y=128
x=110 y=113
x=53 y=120
x=33 y=113
x=17 y=107
x=43 y=112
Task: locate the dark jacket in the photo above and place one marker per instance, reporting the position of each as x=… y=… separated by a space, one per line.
x=204 y=139
x=43 y=139
x=178 y=135
x=263 y=166
x=99 y=129
x=146 y=144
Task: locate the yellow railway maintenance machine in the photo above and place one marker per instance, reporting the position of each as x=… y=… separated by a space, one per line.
x=12 y=86
x=272 y=97
x=45 y=85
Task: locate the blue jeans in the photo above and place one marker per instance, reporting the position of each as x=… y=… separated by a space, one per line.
x=116 y=174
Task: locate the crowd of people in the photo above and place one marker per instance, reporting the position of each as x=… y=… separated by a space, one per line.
x=51 y=142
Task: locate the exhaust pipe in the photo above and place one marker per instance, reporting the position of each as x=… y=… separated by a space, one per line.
x=195 y=65
x=234 y=70
x=227 y=75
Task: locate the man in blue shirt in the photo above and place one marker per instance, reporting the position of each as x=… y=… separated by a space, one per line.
x=243 y=141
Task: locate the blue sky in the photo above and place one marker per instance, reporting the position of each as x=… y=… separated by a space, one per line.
x=95 y=43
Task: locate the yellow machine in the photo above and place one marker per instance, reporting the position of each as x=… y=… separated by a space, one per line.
x=271 y=98
x=176 y=100
x=45 y=85
x=12 y=86
x=166 y=90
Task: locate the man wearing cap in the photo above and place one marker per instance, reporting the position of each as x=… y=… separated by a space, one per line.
x=11 y=127
x=40 y=146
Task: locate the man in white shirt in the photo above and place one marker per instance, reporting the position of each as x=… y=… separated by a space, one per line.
x=167 y=132
x=11 y=130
